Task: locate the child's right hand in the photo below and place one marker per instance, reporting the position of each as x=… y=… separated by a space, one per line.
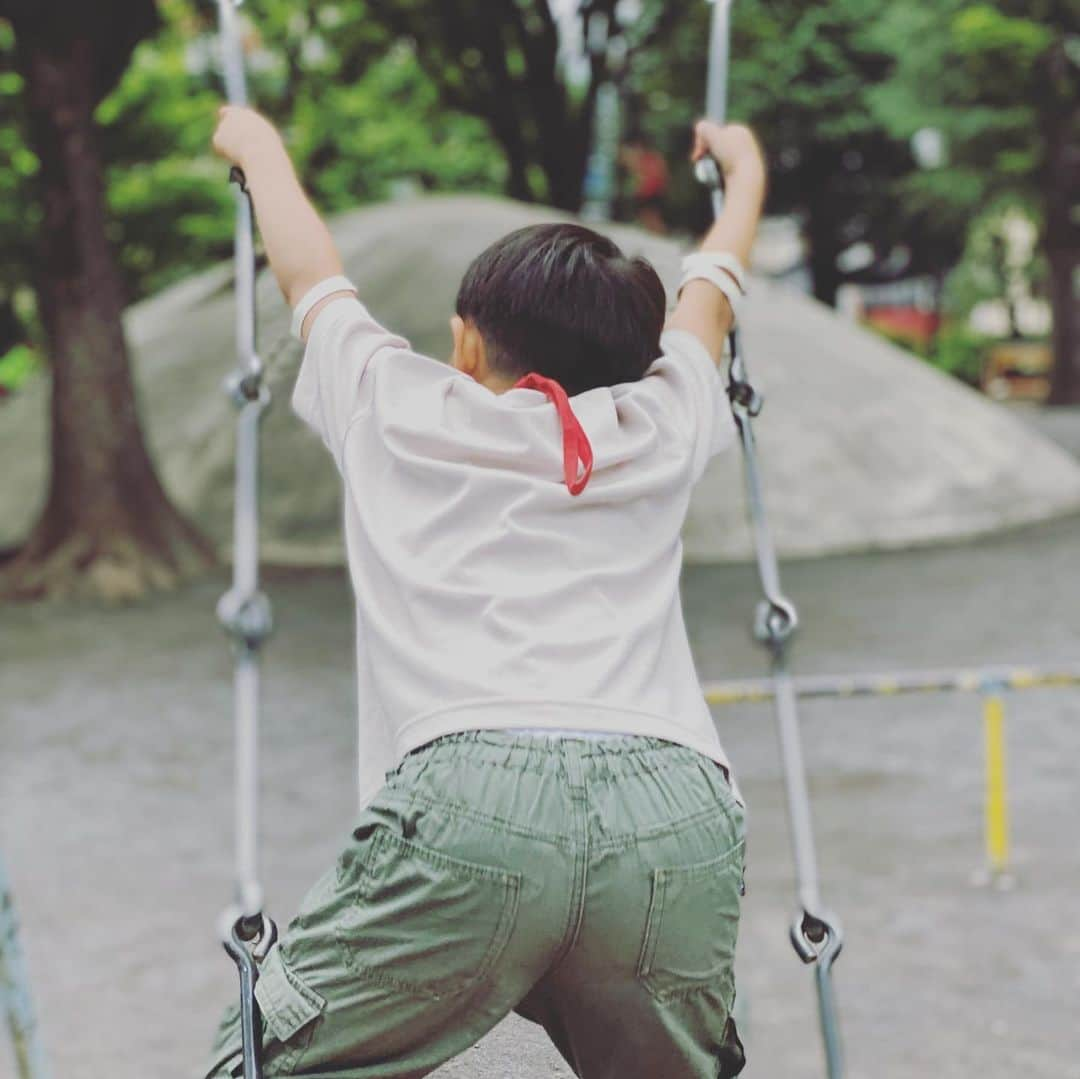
x=242 y=132
x=734 y=146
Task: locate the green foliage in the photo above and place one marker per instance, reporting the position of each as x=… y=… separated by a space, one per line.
x=988 y=270
x=19 y=216
x=809 y=79
x=465 y=94
x=355 y=141
x=955 y=350
x=960 y=352
x=358 y=112
x=998 y=45
x=16 y=368
x=498 y=62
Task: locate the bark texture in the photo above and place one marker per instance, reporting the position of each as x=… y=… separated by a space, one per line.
x=108 y=529
x=1061 y=186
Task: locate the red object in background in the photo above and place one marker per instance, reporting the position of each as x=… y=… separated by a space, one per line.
x=907 y=322
x=651 y=173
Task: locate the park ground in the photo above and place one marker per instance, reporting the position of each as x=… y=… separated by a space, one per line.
x=116 y=817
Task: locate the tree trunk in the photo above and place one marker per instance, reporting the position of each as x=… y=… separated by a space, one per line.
x=1061 y=180
x=823 y=228
x=560 y=152
x=108 y=529
x=1064 y=302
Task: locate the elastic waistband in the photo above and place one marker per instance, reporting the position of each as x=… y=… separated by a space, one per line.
x=581 y=736
x=522 y=738
x=615 y=754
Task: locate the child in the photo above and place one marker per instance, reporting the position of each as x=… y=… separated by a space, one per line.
x=550 y=824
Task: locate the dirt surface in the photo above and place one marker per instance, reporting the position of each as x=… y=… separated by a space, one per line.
x=115 y=815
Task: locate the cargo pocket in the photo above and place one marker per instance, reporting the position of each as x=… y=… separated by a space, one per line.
x=288 y=1009
x=424 y=923
x=691 y=929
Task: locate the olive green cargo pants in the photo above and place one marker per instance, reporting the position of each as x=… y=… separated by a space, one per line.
x=590 y=886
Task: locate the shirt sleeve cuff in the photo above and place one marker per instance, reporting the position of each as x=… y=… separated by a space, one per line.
x=315 y=295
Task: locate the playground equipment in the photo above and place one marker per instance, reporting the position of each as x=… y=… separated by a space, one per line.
x=244 y=610
x=990 y=682
x=815 y=931
x=15 y=991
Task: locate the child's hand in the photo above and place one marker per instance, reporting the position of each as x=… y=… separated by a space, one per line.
x=242 y=132
x=733 y=145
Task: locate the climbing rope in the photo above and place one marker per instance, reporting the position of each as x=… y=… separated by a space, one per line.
x=15 y=1001
x=244 y=610
x=815 y=932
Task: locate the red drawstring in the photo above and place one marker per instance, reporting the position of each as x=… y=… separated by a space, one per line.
x=576 y=446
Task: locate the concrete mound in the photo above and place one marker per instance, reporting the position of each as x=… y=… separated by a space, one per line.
x=863 y=446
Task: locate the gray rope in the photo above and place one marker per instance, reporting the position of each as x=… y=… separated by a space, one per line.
x=815 y=932
x=15 y=991
x=244 y=611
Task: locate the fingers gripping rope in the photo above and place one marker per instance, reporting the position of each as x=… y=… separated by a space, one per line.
x=815 y=932
x=244 y=611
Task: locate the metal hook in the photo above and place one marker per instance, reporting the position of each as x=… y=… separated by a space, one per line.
x=238 y=177
x=816 y=937
x=707 y=173
x=775 y=620
x=246 y=945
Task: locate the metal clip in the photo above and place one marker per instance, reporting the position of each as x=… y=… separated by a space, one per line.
x=707 y=173
x=775 y=620
x=744 y=398
x=246 y=950
x=244 y=387
x=246 y=616
x=817 y=938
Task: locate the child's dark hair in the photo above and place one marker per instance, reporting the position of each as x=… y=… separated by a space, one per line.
x=565 y=302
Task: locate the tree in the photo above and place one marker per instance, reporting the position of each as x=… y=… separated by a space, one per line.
x=500 y=60
x=357 y=110
x=107 y=528
x=1002 y=81
x=19 y=216
x=1021 y=61
x=803 y=75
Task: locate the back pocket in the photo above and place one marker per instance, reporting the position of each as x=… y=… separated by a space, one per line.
x=692 y=928
x=425 y=923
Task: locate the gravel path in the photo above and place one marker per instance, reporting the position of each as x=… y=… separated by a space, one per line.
x=115 y=815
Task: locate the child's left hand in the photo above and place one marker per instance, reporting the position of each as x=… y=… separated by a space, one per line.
x=242 y=132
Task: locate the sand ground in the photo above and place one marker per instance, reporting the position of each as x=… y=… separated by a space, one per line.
x=115 y=814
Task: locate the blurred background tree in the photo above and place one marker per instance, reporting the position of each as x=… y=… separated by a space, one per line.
x=803 y=75
x=1001 y=81
x=106 y=112
x=107 y=527
x=356 y=107
x=504 y=61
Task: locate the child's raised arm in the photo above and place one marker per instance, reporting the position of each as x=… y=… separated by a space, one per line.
x=298 y=244
x=703 y=309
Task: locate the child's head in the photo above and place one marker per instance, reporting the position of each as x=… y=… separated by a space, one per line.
x=560 y=300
